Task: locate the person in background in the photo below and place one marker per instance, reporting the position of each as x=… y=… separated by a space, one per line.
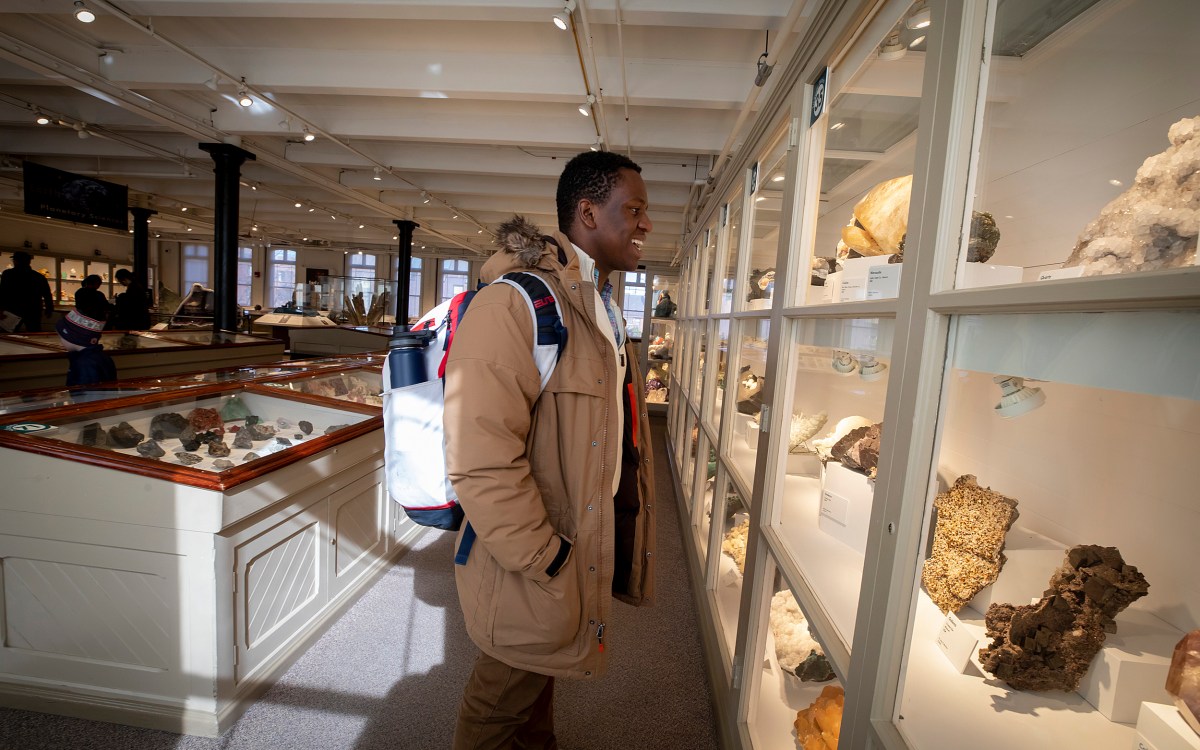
x=90 y=301
x=556 y=484
x=89 y=363
x=26 y=293
x=132 y=311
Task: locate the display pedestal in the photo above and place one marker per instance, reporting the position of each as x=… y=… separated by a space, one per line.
x=1132 y=666
x=845 y=510
x=1160 y=727
x=803 y=464
x=1030 y=561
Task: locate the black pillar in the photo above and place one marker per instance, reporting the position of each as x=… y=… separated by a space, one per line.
x=141 y=248
x=404 y=265
x=228 y=159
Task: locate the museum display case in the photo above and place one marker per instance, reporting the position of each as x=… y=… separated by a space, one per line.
x=190 y=574
x=356 y=301
x=715 y=399
x=66 y=273
x=734 y=258
x=362 y=385
x=969 y=250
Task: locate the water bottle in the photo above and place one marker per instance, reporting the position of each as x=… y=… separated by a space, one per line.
x=406 y=356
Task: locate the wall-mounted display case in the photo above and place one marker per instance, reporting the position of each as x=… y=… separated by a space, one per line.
x=65 y=274
x=967 y=386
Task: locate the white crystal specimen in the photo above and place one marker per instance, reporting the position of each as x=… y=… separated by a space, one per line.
x=804 y=426
x=793 y=641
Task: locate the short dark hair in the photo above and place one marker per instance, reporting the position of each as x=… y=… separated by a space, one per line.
x=124 y=273
x=92 y=280
x=589 y=175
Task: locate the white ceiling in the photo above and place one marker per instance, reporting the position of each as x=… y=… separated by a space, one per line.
x=472 y=101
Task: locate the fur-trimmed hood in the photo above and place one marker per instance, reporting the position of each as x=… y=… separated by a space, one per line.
x=522 y=238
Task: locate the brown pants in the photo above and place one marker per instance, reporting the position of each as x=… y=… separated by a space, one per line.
x=505 y=707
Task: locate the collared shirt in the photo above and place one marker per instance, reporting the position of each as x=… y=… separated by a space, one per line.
x=614 y=333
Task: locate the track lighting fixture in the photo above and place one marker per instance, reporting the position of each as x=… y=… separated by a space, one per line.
x=424 y=197
x=82 y=13
x=309 y=136
x=360 y=226
x=81 y=130
x=184 y=208
x=377 y=175
x=844 y=363
x=42 y=119
x=244 y=98
x=562 y=19
x=455 y=216
x=298 y=204
x=869 y=369
x=892 y=48
x=919 y=18
x=1016 y=398
x=596 y=146
x=585 y=109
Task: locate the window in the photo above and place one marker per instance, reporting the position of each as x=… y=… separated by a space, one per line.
x=282 y=272
x=362 y=266
x=454 y=278
x=196 y=269
x=414 y=289
x=633 y=303
x=245 y=275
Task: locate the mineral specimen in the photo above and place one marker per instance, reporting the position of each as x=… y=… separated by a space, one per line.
x=234 y=408
x=859 y=449
x=334 y=428
x=258 y=431
x=803 y=427
x=151 y=449
x=206 y=420
x=250 y=456
x=222 y=464
x=819 y=725
x=218 y=448
x=824 y=445
x=187 y=459
x=283 y=441
x=94 y=435
x=795 y=648
x=968 y=542
x=188 y=439
x=734 y=544
x=298 y=436
x=984 y=237
x=167 y=425
x=242 y=440
x=1049 y=645
x=749 y=392
x=305 y=427
x=1183 y=679
x=253 y=419
x=1155 y=223
x=124 y=436
x=282 y=423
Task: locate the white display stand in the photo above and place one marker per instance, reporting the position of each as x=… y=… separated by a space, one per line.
x=976 y=275
x=1030 y=561
x=758 y=304
x=1160 y=727
x=803 y=464
x=1132 y=667
x=141 y=601
x=845 y=510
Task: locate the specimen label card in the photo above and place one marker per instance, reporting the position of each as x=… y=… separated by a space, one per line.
x=956 y=642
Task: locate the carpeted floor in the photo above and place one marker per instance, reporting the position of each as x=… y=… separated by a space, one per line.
x=389 y=673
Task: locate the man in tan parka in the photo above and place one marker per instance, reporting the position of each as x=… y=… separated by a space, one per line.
x=557 y=485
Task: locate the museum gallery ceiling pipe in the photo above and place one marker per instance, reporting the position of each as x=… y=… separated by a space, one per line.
x=229 y=159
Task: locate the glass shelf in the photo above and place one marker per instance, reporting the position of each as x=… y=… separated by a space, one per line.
x=750 y=367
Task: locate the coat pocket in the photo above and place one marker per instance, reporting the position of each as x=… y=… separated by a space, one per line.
x=537 y=618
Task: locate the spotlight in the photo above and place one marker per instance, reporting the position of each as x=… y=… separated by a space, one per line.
x=892 y=48
x=844 y=363
x=917 y=42
x=919 y=18
x=377 y=175
x=244 y=98
x=597 y=145
x=254 y=228
x=424 y=197
x=81 y=130
x=585 y=109
x=360 y=226
x=183 y=208
x=869 y=369
x=455 y=216
x=297 y=204
x=1016 y=398
x=309 y=136
x=42 y=120
x=82 y=13
x=562 y=19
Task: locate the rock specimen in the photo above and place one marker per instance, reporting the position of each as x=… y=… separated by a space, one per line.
x=218 y=448
x=187 y=459
x=859 y=449
x=282 y=423
x=151 y=449
x=803 y=427
x=258 y=431
x=1155 y=223
x=1183 y=679
x=283 y=441
x=242 y=440
x=984 y=237
x=167 y=425
x=795 y=648
x=206 y=420
x=305 y=427
x=222 y=464
x=250 y=456
x=735 y=542
x=334 y=428
x=749 y=392
x=1049 y=645
x=824 y=445
x=234 y=408
x=968 y=542
x=94 y=435
x=819 y=725
x=124 y=436
x=298 y=436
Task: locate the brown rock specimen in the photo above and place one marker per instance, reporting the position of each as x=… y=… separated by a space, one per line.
x=206 y=420
x=819 y=725
x=1155 y=223
x=124 y=435
x=218 y=448
x=1183 y=679
x=859 y=449
x=1049 y=645
x=967 y=542
x=167 y=425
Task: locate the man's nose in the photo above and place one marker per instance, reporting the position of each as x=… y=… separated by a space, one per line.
x=645 y=224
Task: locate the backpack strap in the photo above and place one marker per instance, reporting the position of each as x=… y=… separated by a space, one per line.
x=550 y=335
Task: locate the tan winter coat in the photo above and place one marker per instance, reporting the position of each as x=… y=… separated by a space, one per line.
x=530 y=475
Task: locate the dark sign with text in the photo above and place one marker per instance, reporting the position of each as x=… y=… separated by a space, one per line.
x=56 y=194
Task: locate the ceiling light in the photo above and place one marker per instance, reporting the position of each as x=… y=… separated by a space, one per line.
x=917 y=42
x=244 y=98
x=844 y=363
x=333 y=216
x=424 y=197
x=82 y=13
x=1016 y=399
x=360 y=226
x=562 y=19
x=869 y=369
x=760 y=199
x=309 y=136
x=892 y=48
x=1114 y=182
x=297 y=204
x=188 y=228
x=183 y=209
x=778 y=178
x=455 y=216
x=395 y=236
x=254 y=187
x=919 y=18
x=377 y=175
x=837 y=125
x=254 y=228
x=311 y=209
x=42 y=120
x=585 y=109
x=597 y=145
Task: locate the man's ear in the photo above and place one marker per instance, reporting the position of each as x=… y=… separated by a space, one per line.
x=585 y=212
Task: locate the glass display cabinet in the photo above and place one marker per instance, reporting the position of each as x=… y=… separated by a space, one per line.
x=357 y=301
x=358 y=385
x=976 y=379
